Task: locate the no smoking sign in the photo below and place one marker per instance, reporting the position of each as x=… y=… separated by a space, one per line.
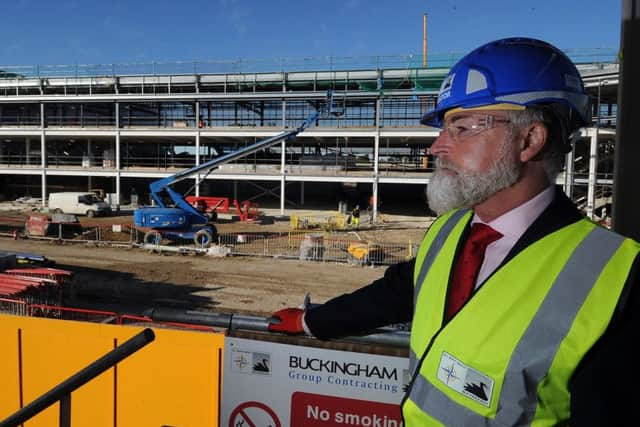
x=253 y=414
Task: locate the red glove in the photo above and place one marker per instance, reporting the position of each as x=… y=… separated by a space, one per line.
x=287 y=320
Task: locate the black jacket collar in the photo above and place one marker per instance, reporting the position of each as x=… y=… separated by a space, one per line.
x=560 y=213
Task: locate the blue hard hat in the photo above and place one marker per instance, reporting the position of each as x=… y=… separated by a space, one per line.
x=517 y=71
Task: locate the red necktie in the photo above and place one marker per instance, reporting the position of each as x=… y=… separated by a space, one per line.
x=468 y=265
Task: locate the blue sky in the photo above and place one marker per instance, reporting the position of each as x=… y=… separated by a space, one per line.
x=120 y=31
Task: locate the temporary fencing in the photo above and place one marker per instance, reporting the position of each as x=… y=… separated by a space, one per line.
x=10 y=225
x=98 y=234
x=12 y=306
x=325 y=247
x=308 y=244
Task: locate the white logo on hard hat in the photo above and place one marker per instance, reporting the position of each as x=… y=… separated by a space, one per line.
x=445 y=87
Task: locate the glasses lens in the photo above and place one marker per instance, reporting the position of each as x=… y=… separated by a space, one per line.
x=466 y=126
x=463 y=127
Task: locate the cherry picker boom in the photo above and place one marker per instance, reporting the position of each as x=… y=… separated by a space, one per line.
x=182 y=220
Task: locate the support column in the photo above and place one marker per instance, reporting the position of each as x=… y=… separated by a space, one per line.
x=118 y=190
x=569 y=168
x=626 y=204
x=198 y=119
x=198 y=125
x=43 y=157
x=376 y=164
x=593 y=172
x=89 y=156
x=283 y=160
x=27 y=149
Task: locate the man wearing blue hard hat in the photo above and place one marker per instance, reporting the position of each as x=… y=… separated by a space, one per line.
x=523 y=312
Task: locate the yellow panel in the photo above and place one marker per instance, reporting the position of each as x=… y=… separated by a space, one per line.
x=55 y=350
x=9 y=391
x=178 y=389
x=174 y=380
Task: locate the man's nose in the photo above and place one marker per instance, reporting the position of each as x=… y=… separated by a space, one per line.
x=440 y=143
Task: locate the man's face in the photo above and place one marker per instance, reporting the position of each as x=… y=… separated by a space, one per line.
x=476 y=157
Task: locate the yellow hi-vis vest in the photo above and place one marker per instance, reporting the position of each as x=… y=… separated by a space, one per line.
x=506 y=358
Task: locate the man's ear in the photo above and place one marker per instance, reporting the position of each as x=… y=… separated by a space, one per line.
x=535 y=137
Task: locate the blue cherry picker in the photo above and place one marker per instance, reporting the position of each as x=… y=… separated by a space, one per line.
x=175 y=219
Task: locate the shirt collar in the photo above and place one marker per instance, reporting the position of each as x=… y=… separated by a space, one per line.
x=514 y=223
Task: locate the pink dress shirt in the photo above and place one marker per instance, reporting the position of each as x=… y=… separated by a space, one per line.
x=512 y=225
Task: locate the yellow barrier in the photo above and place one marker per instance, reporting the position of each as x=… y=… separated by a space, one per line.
x=174 y=381
x=327 y=222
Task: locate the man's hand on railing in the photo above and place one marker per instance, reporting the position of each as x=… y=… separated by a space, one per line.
x=288 y=321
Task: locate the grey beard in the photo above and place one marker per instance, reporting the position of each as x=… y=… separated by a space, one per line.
x=452 y=189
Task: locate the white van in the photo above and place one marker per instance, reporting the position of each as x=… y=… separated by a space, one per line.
x=78 y=203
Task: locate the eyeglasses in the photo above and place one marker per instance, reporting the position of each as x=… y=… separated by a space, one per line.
x=462 y=127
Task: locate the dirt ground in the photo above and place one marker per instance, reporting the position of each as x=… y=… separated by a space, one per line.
x=131 y=280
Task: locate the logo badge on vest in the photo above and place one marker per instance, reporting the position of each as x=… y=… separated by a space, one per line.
x=465 y=380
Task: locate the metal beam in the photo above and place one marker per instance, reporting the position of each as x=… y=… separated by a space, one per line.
x=626 y=203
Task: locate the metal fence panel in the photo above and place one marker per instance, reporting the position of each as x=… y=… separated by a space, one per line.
x=323 y=247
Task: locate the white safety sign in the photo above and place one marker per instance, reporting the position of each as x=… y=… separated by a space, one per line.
x=280 y=385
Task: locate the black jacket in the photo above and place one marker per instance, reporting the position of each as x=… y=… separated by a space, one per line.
x=602 y=388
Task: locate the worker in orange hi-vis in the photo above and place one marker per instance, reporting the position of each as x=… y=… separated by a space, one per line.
x=520 y=307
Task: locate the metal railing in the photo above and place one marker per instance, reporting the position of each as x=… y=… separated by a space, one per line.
x=331 y=164
x=62 y=392
x=247 y=65
x=390 y=336
x=394 y=335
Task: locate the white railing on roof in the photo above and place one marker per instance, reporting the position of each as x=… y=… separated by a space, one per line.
x=239 y=66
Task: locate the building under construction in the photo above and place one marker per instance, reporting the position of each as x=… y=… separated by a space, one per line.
x=118 y=127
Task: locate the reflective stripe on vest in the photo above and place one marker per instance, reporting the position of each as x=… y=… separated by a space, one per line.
x=434 y=249
x=517 y=402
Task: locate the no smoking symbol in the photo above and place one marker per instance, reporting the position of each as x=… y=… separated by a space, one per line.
x=253 y=414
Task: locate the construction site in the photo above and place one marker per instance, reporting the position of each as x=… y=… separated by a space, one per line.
x=257 y=268
x=205 y=200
